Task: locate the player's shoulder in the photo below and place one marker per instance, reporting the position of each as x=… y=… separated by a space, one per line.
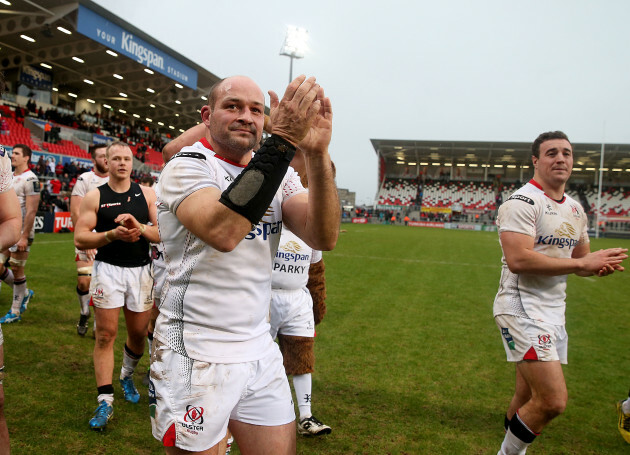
x=191 y=152
x=30 y=175
x=527 y=194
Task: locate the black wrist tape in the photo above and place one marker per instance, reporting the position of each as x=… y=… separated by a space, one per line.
x=253 y=190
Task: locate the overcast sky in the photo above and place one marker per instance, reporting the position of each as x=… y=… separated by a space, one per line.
x=484 y=70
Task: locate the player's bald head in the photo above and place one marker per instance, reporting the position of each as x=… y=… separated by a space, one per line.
x=224 y=86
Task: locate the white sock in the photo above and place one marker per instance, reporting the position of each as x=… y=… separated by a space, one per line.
x=625 y=406
x=8 y=277
x=303 y=387
x=19 y=291
x=513 y=445
x=84 y=301
x=129 y=364
x=108 y=397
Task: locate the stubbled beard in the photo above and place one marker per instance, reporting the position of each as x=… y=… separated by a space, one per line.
x=100 y=169
x=230 y=141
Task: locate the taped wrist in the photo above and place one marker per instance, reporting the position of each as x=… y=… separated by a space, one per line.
x=253 y=190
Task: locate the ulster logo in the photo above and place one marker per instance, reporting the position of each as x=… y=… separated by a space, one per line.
x=193 y=419
x=194 y=415
x=544 y=341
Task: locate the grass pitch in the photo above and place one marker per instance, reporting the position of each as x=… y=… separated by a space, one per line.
x=409 y=360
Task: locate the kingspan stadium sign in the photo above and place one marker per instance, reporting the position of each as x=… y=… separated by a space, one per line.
x=120 y=40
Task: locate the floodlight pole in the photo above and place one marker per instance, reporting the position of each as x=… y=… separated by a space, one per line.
x=290 y=68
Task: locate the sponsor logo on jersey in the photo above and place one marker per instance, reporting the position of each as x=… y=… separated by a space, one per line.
x=566 y=229
x=291 y=252
x=520 y=197
x=508 y=338
x=563 y=239
x=264 y=230
x=193 y=419
x=110 y=204
x=550 y=210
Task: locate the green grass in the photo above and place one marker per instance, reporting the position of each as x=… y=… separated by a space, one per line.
x=409 y=360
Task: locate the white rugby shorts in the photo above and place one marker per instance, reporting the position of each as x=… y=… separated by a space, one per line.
x=113 y=287
x=529 y=339
x=191 y=402
x=291 y=313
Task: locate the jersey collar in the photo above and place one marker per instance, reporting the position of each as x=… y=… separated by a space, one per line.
x=207 y=145
x=537 y=185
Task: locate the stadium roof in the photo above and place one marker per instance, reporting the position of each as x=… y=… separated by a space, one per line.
x=616 y=156
x=41 y=21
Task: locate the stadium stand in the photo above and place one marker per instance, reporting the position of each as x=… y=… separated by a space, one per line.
x=17 y=134
x=398 y=192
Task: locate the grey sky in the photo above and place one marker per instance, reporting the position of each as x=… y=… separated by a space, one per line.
x=452 y=70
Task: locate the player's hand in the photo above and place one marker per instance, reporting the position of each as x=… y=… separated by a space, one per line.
x=609 y=269
x=292 y=117
x=90 y=254
x=126 y=235
x=127 y=220
x=22 y=244
x=318 y=137
x=605 y=262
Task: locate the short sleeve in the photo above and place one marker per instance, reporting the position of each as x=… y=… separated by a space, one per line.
x=32 y=186
x=182 y=177
x=292 y=185
x=518 y=215
x=80 y=187
x=316 y=256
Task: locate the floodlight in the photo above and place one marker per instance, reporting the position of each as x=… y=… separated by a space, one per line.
x=294 y=45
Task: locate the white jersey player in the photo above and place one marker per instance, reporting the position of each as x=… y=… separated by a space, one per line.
x=293 y=322
x=220 y=213
x=27 y=187
x=84 y=259
x=543 y=235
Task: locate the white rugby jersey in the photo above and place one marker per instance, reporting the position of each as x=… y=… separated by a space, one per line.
x=557 y=228
x=215 y=305
x=25 y=184
x=292 y=261
x=86 y=182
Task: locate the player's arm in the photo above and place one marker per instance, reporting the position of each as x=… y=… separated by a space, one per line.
x=522 y=259
x=32 y=203
x=314 y=217
x=187 y=138
x=10 y=219
x=218 y=226
x=75 y=205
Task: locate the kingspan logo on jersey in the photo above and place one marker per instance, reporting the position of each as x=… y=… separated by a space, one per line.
x=291 y=252
x=265 y=229
x=563 y=238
